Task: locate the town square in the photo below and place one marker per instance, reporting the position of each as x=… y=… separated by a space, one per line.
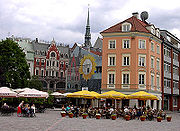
x=89 y=65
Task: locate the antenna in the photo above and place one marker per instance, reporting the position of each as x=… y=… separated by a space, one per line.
x=144 y=16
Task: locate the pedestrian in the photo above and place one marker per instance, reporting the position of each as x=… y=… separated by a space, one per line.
x=19 y=112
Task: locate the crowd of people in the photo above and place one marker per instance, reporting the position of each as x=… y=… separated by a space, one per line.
x=26 y=110
x=106 y=112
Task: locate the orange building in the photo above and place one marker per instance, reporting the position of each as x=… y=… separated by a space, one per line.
x=131 y=59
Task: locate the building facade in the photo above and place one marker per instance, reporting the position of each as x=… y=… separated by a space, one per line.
x=170 y=71
x=131 y=59
x=51 y=64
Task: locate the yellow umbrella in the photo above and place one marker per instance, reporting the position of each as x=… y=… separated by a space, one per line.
x=142 y=95
x=112 y=95
x=91 y=95
x=79 y=94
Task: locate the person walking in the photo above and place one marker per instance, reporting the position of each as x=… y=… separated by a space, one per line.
x=19 y=112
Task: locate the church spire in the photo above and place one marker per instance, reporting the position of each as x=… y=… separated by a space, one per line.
x=88 y=34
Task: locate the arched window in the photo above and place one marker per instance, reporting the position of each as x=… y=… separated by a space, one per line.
x=53 y=54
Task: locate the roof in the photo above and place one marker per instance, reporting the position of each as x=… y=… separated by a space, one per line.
x=98 y=43
x=137 y=25
x=96 y=52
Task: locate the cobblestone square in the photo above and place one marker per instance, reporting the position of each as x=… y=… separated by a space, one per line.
x=52 y=121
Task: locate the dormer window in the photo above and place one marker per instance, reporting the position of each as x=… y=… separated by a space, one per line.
x=126 y=27
x=157 y=33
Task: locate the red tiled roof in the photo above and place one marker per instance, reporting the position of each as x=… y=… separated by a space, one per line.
x=96 y=52
x=137 y=25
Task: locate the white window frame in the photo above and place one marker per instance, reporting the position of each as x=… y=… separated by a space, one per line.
x=126 y=84
x=125 y=43
x=109 y=44
x=140 y=60
x=152 y=46
x=109 y=59
x=142 y=45
x=125 y=56
x=111 y=85
x=158 y=64
x=158 y=49
x=140 y=82
x=37 y=70
x=126 y=27
x=158 y=82
x=152 y=81
x=152 y=61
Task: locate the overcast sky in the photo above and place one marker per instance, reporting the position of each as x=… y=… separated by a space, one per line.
x=65 y=20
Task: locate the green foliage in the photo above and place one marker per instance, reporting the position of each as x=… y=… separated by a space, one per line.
x=35 y=83
x=14 y=69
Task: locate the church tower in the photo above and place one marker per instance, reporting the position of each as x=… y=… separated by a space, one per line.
x=88 y=34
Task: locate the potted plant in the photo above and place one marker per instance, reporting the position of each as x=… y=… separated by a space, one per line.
x=159 y=119
x=113 y=116
x=70 y=115
x=142 y=118
x=168 y=118
x=63 y=113
x=127 y=117
x=84 y=115
x=98 y=116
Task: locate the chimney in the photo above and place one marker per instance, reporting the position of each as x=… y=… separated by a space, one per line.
x=36 y=40
x=136 y=14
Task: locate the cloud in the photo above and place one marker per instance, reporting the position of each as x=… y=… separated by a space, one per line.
x=65 y=20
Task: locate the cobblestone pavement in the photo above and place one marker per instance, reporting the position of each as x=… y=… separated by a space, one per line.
x=52 y=121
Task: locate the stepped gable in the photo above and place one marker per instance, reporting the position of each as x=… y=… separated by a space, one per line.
x=137 y=26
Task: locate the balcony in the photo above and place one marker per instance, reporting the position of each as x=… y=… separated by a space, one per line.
x=176 y=63
x=167 y=59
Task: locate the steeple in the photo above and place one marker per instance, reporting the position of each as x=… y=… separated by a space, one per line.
x=88 y=34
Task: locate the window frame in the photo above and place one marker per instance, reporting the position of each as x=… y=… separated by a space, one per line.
x=113 y=45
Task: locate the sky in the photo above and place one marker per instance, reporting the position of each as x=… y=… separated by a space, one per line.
x=65 y=20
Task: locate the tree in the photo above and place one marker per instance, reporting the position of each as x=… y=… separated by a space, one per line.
x=35 y=83
x=14 y=70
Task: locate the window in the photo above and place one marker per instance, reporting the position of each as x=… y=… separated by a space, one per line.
x=158 y=49
x=142 y=60
x=152 y=62
x=53 y=54
x=46 y=73
x=112 y=44
x=126 y=27
x=175 y=56
x=42 y=62
x=42 y=72
x=37 y=72
x=56 y=74
x=152 y=46
x=142 y=44
x=62 y=64
x=57 y=63
x=157 y=83
x=53 y=63
x=126 y=44
x=152 y=81
x=125 y=79
x=142 y=79
x=47 y=63
x=158 y=64
x=52 y=73
x=111 y=59
x=37 y=61
x=126 y=60
x=175 y=101
x=61 y=74
x=111 y=78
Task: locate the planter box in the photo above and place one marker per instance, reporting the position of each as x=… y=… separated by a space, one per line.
x=142 y=118
x=113 y=117
x=63 y=114
x=159 y=119
x=98 y=116
x=168 y=118
x=70 y=115
x=127 y=117
x=84 y=116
